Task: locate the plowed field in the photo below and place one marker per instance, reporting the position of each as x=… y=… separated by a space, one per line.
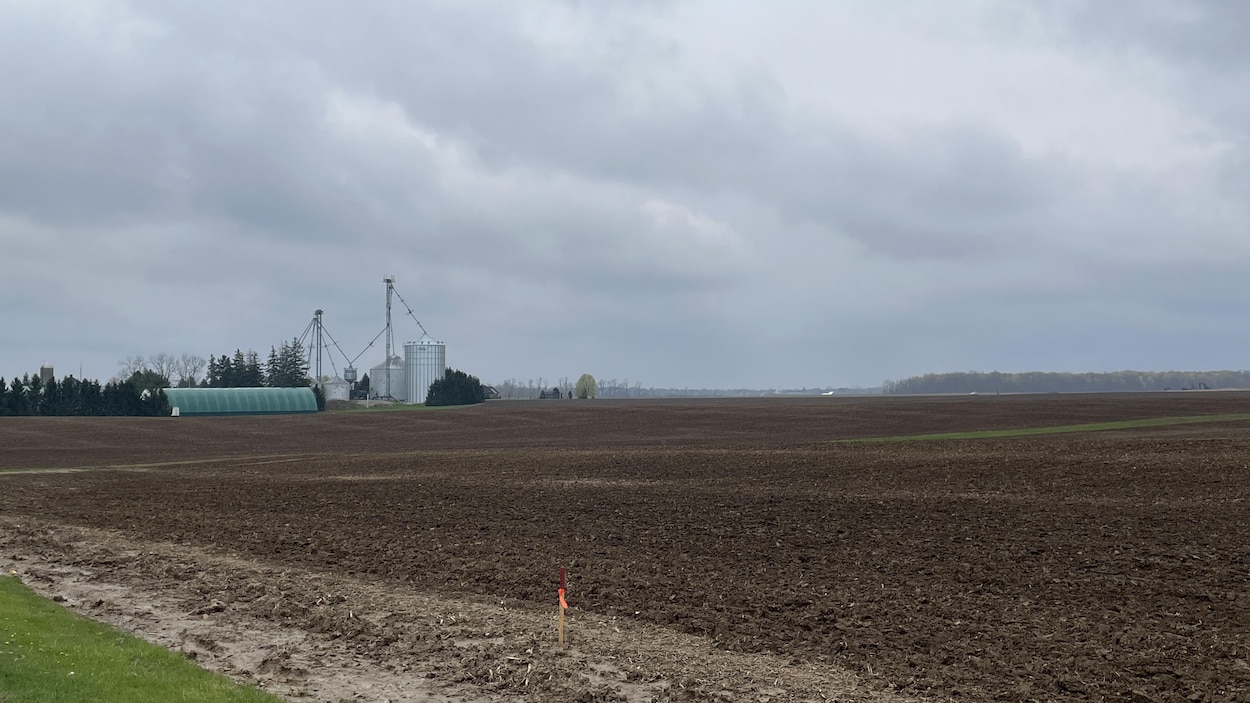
x=1099 y=566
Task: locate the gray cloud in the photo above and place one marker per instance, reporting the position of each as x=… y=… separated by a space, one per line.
x=688 y=194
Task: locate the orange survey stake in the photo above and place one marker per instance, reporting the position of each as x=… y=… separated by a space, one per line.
x=563 y=606
x=563 y=589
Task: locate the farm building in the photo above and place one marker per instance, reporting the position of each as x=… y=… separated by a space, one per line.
x=241 y=401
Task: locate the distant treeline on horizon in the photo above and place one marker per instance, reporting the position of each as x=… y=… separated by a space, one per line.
x=1056 y=382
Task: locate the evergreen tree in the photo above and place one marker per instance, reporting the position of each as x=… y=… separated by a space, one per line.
x=120 y=398
x=225 y=372
x=150 y=381
x=70 y=396
x=18 y=403
x=51 y=398
x=219 y=372
x=271 y=368
x=253 y=376
x=299 y=366
x=92 y=398
x=238 y=370
x=288 y=368
x=34 y=393
x=456 y=388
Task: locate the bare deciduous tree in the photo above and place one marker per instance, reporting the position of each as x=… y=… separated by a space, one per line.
x=508 y=389
x=130 y=366
x=164 y=364
x=189 y=368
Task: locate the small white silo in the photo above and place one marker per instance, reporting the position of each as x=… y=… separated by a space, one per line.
x=378 y=380
x=336 y=389
x=425 y=361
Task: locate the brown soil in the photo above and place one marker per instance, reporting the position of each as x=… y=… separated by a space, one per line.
x=595 y=424
x=717 y=550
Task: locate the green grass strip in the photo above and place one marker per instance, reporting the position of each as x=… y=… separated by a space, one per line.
x=1061 y=429
x=50 y=655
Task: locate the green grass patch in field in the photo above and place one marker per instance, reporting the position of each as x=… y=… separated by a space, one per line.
x=1061 y=429
x=50 y=655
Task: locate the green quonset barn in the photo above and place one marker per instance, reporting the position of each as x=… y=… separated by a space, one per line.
x=241 y=401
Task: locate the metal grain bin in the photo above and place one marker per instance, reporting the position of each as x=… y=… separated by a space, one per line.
x=425 y=361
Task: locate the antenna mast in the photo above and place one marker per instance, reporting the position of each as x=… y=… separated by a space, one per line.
x=390 y=333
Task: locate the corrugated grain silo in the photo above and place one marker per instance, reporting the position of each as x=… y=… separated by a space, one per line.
x=425 y=361
x=336 y=389
x=384 y=385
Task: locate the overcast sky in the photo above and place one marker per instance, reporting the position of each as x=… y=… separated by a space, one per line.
x=698 y=194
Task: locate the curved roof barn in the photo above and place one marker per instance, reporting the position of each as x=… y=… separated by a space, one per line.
x=241 y=401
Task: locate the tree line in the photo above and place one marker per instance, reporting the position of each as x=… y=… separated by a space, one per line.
x=185 y=368
x=30 y=395
x=1057 y=382
x=514 y=389
x=285 y=367
x=138 y=389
